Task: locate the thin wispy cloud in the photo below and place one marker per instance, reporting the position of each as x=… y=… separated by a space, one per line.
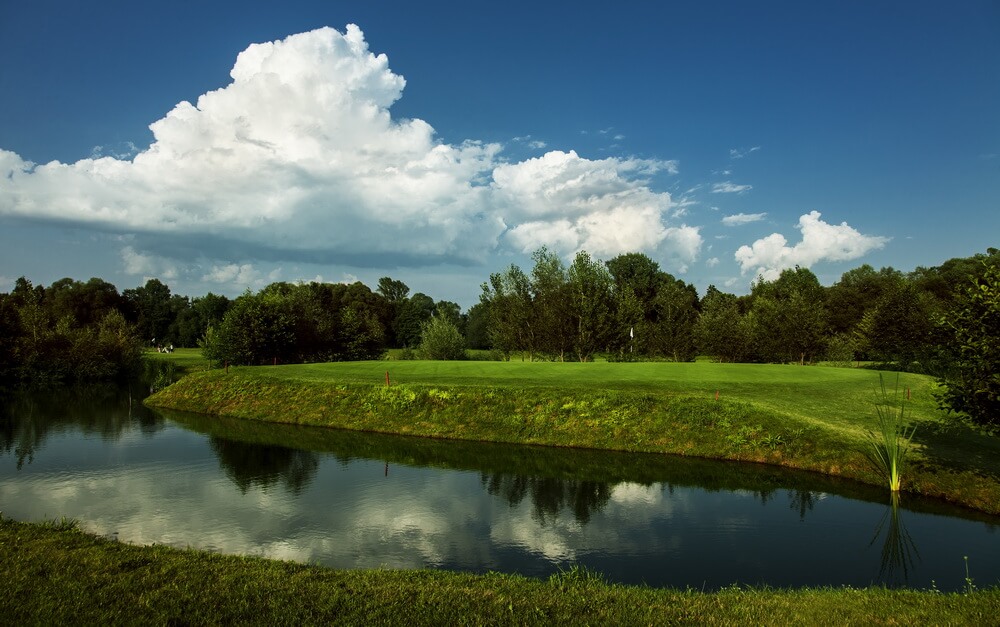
x=739 y=153
x=728 y=187
x=743 y=218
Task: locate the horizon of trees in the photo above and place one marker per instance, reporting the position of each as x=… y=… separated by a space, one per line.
x=626 y=308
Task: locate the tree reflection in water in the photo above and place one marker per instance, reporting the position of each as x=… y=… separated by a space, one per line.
x=803 y=500
x=264 y=465
x=549 y=495
x=898 y=548
x=28 y=418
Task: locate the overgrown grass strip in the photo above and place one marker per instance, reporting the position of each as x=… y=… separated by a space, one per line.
x=57 y=575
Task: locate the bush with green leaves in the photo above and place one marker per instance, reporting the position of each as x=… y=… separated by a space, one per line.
x=440 y=339
x=972 y=386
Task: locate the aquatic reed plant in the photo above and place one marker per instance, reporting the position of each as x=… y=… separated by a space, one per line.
x=890 y=444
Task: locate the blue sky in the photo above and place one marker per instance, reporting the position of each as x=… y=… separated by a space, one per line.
x=723 y=139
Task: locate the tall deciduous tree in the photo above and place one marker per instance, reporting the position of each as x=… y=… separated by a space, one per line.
x=721 y=329
x=591 y=305
x=675 y=306
x=509 y=303
x=550 y=305
x=150 y=309
x=898 y=327
x=257 y=329
x=788 y=317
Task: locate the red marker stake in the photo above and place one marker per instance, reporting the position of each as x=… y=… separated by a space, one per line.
x=386 y=378
x=716 y=395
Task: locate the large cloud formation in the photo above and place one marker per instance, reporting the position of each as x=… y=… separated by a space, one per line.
x=299 y=159
x=820 y=242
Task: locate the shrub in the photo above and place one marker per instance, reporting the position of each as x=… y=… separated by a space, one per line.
x=972 y=387
x=440 y=339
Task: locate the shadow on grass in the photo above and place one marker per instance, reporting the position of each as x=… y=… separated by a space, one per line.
x=958 y=447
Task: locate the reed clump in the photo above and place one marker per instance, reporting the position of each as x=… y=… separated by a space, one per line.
x=890 y=444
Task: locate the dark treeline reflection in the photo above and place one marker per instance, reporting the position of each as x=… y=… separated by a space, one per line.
x=28 y=418
x=557 y=478
x=549 y=496
x=264 y=465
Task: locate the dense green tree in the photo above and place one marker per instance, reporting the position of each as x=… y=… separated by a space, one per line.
x=630 y=332
x=637 y=272
x=411 y=315
x=675 y=311
x=550 y=305
x=37 y=348
x=83 y=303
x=477 y=327
x=946 y=283
x=441 y=339
x=788 y=317
x=393 y=290
x=450 y=311
x=257 y=329
x=898 y=327
x=591 y=312
x=636 y=281
x=972 y=329
x=721 y=330
x=149 y=308
x=509 y=305
x=856 y=292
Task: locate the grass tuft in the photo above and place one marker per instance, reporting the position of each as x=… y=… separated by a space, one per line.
x=890 y=444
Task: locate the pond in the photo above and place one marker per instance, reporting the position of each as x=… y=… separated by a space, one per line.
x=357 y=500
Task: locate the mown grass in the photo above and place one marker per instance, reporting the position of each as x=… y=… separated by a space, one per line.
x=185 y=360
x=55 y=574
x=801 y=417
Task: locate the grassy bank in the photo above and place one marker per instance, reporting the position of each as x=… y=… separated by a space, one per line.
x=799 y=417
x=54 y=574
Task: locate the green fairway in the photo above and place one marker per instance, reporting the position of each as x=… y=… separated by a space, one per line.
x=839 y=398
x=185 y=360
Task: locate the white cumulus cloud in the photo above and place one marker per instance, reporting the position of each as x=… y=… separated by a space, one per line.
x=602 y=206
x=298 y=158
x=820 y=242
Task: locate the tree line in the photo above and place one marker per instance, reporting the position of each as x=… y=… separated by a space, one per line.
x=939 y=320
x=75 y=331
x=629 y=308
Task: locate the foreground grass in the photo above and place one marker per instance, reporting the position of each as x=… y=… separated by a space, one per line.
x=799 y=417
x=55 y=574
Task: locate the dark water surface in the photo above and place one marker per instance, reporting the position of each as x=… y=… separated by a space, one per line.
x=352 y=500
